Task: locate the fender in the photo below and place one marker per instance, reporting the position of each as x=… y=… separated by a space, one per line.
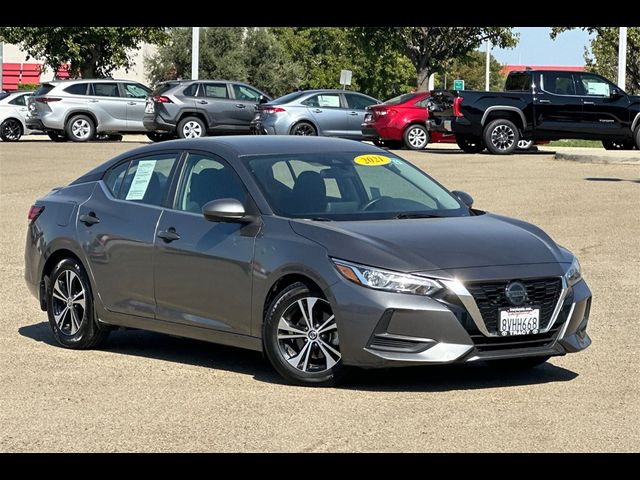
x=504 y=107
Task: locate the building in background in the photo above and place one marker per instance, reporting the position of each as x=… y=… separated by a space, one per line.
x=514 y=68
x=18 y=70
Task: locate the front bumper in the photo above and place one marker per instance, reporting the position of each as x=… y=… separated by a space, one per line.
x=383 y=329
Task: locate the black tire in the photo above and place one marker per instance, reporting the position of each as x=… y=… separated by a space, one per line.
x=57 y=137
x=470 y=144
x=525 y=145
x=159 y=137
x=305 y=129
x=636 y=137
x=525 y=363
x=114 y=137
x=307 y=352
x=11 y=130
x=80 y=128
x=416 y=137
x=501 y=136
x=192 y=127
x=77 y=328
x=617 y=145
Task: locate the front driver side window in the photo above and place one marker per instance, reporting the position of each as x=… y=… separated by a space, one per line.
x=594 y=86
x=206 y=179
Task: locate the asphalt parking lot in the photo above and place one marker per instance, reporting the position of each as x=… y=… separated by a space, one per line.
x=148 y=392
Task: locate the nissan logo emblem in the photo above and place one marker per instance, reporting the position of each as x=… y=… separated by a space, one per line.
x=516 y=293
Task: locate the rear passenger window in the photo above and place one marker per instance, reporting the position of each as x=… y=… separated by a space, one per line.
x=114 y=178
x=147 y=179
x=191 y=90
x=216 y=90
x=518 y=82
x=106 y=89
x=77 y=89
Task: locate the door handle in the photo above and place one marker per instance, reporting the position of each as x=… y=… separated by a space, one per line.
x=353 y=113
x=240 y=105
x=317 y=110
x=588 y=103
x=89 y=219
x=131 y=103
x=544 y=101
x=93 y=100
x=202 y=102
x=168 y=235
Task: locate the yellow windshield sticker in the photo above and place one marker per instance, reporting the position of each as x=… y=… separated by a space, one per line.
x=372 y=160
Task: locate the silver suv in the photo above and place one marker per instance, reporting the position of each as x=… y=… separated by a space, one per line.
x=79 y=110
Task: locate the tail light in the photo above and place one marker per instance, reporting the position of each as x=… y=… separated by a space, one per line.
x=273 y=109
x=48 y=99
x=456 y=107
x=162 y=99
x=389 y=111
x=34 y=212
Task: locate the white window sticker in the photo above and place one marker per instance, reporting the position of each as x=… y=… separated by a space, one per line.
x=141 y=179
x=597 y=88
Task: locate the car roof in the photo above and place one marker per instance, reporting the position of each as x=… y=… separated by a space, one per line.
x=94 y=80
x=239 y=146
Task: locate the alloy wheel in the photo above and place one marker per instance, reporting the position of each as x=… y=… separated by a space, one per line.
x=192 y=129
x=502 y=137
x=417 y=138
x=11 y=130
x=81 y=129
x=304 y=129
x=308 y=335
x=69 y=302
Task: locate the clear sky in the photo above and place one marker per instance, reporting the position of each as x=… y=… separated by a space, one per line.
x=536 y=48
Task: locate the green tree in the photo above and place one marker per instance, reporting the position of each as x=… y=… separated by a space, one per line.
x=430 y=48
x=93 y=52
x=603 y=57
x=471 y=68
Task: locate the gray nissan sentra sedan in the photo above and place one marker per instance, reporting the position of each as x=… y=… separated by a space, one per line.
x=320 y=252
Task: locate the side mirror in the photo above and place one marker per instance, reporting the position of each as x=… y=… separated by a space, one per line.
x=464 y=197
x=615 y=93
x=262 y=100
x=224 y=210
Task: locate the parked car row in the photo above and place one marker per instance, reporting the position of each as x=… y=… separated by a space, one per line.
x=13 y=114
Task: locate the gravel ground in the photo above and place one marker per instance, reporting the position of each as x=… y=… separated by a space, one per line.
x=149 y=392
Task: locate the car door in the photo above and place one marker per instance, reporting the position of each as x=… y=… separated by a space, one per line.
x=605 y=111
x=19 y=104
x=116 y=228
x=329 y=114
x=357 y=104
x=109 y=107
x=203 y=269
x=215 y=103
x=557 y=106
x=136 y=95
x=246 y=99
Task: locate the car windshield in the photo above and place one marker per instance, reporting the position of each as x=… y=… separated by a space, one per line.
x=350 y=186
x=400 y=99
x=3 y=95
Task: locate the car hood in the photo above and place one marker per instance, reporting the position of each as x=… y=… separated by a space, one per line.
x=413 y=245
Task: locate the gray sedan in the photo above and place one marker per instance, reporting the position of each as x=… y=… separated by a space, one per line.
x=322 y=253
x=330 y=113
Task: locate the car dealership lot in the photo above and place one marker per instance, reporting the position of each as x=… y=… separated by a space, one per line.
x=148 y=392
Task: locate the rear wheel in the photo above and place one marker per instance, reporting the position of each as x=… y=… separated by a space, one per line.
x=470 y=144
x=416 y=137
x=524 y=363
x=304 y=129
x=57 y=137
x=70 y=307
x=501 y=136
x=525 y=144
x=192 y=127
x=617 y=145
x=11 y=130
x=636 y=136
x=301 y=337
x=80 y=128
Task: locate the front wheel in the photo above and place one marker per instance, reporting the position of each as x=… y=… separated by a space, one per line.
x=525 y=363
x=617 y=145
x=501 y=136
x=416 y=137
x=300 y=337
x=470 y=145
x=11 y=130
x=70 y=307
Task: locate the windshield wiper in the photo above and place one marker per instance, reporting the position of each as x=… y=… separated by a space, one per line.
x=417 y=215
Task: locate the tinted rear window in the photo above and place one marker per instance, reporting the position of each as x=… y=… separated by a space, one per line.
x=77 y=89
x=400 y=99
x=43 y=89
x=518 y=82
x=191 y=90
x=290 y=97
x=163 y=87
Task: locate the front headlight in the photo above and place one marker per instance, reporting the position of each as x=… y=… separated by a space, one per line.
x=385 y=280
x=574 y=274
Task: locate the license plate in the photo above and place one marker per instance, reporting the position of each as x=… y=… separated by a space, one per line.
x=519 y=321
x=148 y=108
x=368 y=117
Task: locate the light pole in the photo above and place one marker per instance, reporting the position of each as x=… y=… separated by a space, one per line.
x=195 y=52
x=486 y=68
x=622 y=57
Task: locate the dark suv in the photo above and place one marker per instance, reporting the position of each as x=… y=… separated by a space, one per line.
x=195 y=108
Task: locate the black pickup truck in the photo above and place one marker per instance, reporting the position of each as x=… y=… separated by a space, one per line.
x=538 y=105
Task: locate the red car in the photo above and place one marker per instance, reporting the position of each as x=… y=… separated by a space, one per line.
x=401 y=121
